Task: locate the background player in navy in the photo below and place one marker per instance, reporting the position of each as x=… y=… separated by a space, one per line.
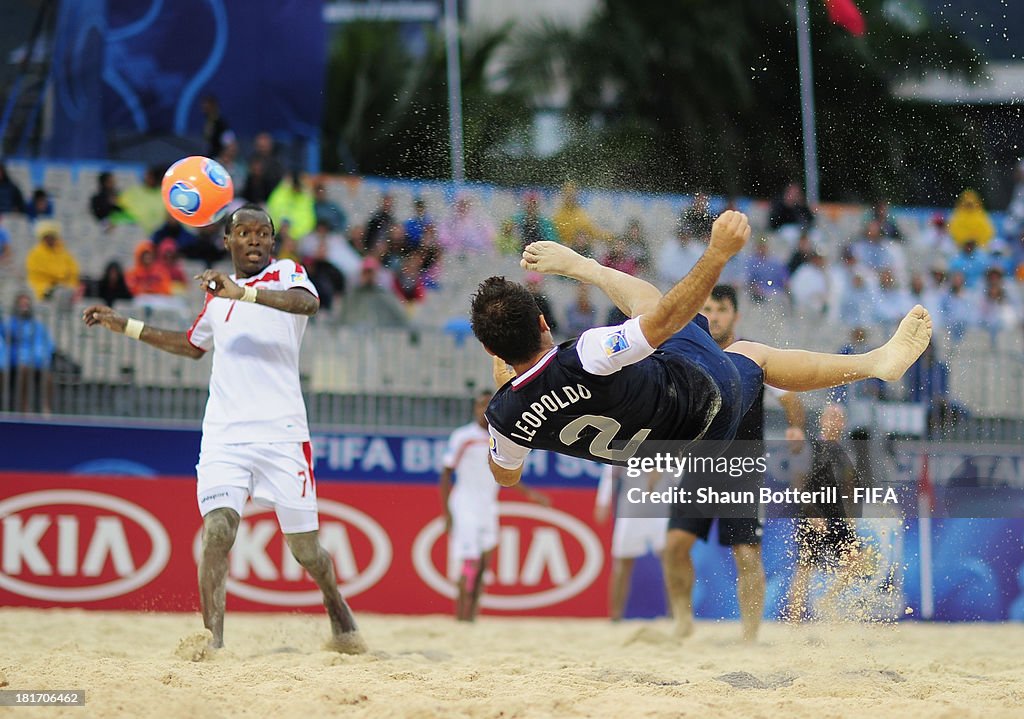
x=742 y=534
x=657 y=376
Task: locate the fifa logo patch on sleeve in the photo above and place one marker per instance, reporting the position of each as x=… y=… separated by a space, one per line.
x=494 y=445
x=298 y=277
x=615 y=342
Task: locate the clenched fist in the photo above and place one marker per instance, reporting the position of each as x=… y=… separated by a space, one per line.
x=729 y=233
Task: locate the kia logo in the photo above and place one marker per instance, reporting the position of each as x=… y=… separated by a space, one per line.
x=250 y=561
x=103 y=537
x=544 y=552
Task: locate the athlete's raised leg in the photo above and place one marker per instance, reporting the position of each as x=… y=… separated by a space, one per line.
x=801 y=371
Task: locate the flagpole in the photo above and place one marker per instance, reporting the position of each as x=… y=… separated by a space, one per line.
x=451 y=36
x=803 y=35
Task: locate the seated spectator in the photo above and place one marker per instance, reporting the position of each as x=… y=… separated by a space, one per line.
x=41 y=206
x=416 y=225
x=369 y=304
x=112 y=286
x=30 y=351
x=228 y=158
x=266 y=156
x=581 y=315
x=790 y=208
x=934 y=238
x=927 y=382
x=287 y=247
x=171 y=229
x=432 y=254
x=409 y=285
x=840 y=279
x=969 y=221
x=959 y=307
x=678 y=256
x=258 y=183
x=869 y=389
x=378 y=227
x=803 y=252
x=857 y=304
x=572 y=223
x=143 y=203
x=1013 y=222
x=325 y=244
x=104 y=204
x=534 y=283
x=808 y=287
x=697 y=217
x=395 y=250
x=167 y=258
x=766 y=275
x=972 y=262
x=147 y=276
x=331 y=262
x=290 y=201
x=11 y=197
x=881 y=214
x=999 y=310
x=892 y=302
x=628 y=253
x=49 y=266
x=327 y=210
x=872 y=250
x=526 y=227
x=466 y=231
x=206 y=245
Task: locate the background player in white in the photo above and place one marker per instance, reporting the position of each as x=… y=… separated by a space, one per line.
x=632 y=536
x=255 y=434
x=471 y=508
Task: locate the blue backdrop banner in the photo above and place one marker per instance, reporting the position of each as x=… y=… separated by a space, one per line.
x=142 y=67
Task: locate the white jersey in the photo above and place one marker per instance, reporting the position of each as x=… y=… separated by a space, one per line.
x=467 y=455
x=255 y=394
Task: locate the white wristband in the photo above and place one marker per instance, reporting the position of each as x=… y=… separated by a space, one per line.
x=249 y=294
x=133 y=328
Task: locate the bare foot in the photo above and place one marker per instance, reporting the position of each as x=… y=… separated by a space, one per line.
x=197 y=647
x=909 y=342
x=684 y=626
x=347 y=643
x=551 y=258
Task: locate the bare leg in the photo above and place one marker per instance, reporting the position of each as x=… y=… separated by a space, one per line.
x=750 y=587
x=618 y=587
x=799 y=590
x=219 y=528
x=679 y=577
x=305 y=547
x=802 y=371
x=462 y=600
x=477 y=589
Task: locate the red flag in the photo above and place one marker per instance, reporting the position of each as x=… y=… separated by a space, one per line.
x=846 y=15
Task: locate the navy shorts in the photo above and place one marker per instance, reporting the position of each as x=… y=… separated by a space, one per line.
x=738 y=378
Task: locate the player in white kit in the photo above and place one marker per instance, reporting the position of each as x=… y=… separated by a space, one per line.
x=471 y=507
x=632 y=536
x=255 y=433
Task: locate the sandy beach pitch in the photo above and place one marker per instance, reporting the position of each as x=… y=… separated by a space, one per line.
x=130 y=664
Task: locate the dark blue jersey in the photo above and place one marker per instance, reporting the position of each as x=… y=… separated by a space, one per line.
x=560 y=406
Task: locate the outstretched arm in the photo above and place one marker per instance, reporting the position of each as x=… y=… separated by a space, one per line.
x=294 y=300
x=630 y=294
x=169 y=341
x=660 y=316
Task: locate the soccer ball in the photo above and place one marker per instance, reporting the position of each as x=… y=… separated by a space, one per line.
x=197 y=191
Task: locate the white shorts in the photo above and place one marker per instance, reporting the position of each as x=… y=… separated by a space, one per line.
x=636 y=536
x=274 y=474
x=474 y=530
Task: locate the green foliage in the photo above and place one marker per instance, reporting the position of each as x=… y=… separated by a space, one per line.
x=670 y=96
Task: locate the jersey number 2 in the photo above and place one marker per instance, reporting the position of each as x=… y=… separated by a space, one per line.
x=607 y=429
